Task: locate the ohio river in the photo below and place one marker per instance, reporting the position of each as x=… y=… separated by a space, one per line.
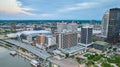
x=6 y=60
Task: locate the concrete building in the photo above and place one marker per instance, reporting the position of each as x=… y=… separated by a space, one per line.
x=12 y=35
x=13 y=26
x=100 y=45
x=40 y=40
x=30 y=36
x=72 y=27
x=111 y=25
x=86 y=35
x=67 y=40
x=35 y=27
x=50 y=41
x=61 y=27
x=44 y=42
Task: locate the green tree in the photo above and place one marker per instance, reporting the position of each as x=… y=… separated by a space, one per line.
x=110 y=47
x=23 y=49
x=114 y=49
x=72 y=56
x=118 y=65
x=67 y=55
x=89 y=63
x=96 y=58
x=94 y=40
x=9 y=45
x=105 y=64
x=78 y=60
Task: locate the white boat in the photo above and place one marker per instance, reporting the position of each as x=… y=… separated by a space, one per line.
x=34 y=63
x=13 y=52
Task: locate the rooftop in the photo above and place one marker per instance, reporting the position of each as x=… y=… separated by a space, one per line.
x=72 y=22
x=87 y=26
x=33 y=32
x=101 y=43
x=73 y=49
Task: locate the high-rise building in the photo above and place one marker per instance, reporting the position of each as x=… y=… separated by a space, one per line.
x=50 y=41
x=40 y=40
x=86 y=35
x=61 y=27
x=67 y=40
x=105 y=22
x=13 y=26
x=72 y=27
x=43 y=41
x=111 y=25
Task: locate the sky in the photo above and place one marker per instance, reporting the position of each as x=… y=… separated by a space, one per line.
x=55 y=9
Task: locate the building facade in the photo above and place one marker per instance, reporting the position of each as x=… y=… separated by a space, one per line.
x=13 y=26
x=72 y=27
x=86 y=35
x=105 y=22
x=50 y=41
x=44 y=42
x=101 y=45
x=111 y=25
x=61 y=26
x=67 y=40
x=40 y=40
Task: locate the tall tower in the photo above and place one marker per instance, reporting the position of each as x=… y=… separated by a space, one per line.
x=61 y=26
x=86 y=35
x=72 y=27
x=105 y=22
x=111 y=25
x=67 y=40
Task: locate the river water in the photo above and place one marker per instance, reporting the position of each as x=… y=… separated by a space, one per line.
x=6 y=60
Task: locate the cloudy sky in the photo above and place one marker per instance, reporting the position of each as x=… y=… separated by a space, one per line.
x=55 y=9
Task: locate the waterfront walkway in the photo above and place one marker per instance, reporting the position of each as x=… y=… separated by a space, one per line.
x=38 y=52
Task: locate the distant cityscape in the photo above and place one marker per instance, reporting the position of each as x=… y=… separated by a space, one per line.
x=65 y=43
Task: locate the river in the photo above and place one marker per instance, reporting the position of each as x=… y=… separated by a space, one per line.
x=6 y=60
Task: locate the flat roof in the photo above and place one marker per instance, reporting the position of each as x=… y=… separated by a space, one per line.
x=101 y=42
x=33 y=32
x=73 y=49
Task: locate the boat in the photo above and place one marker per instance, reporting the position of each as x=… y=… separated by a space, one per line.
x=13 y=53
x=34 y=63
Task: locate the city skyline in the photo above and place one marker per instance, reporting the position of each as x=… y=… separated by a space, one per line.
x=61 y=43
x=61 y=10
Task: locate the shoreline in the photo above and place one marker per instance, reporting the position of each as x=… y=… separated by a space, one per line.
x=12 y=61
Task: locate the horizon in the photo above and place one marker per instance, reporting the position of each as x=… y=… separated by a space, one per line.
x=49 y=19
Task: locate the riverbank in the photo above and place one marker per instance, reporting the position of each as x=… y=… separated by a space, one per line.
x=6 y=60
